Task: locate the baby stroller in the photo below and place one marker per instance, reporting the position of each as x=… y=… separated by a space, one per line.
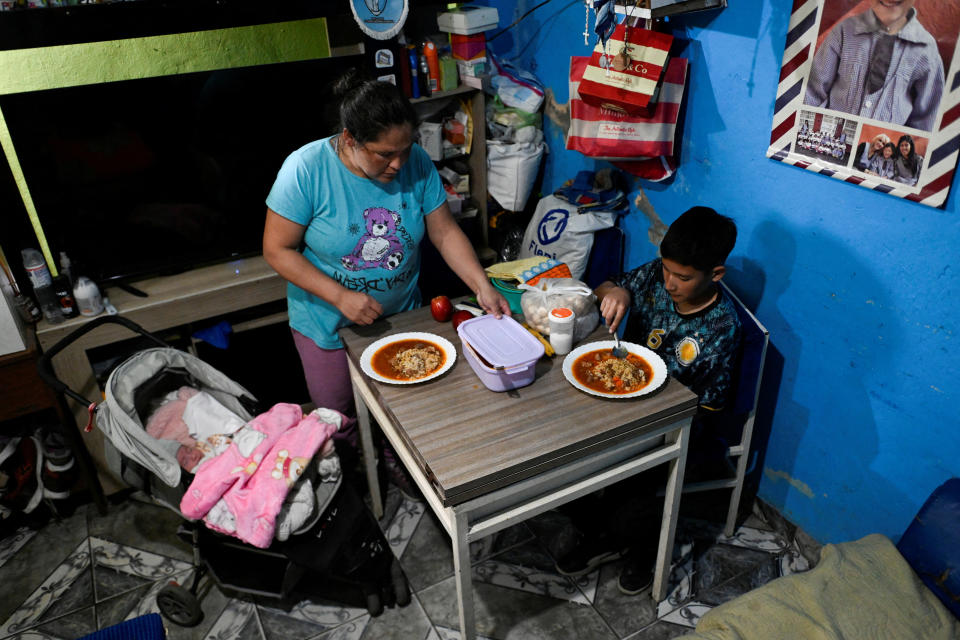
x=338 y=553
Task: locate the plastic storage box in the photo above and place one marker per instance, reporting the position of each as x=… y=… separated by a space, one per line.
x=501 y=352
x=468 y=20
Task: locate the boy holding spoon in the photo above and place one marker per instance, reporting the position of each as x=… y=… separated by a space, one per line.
x=677 y=310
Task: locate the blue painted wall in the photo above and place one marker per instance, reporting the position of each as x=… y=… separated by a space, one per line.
x=859 y=289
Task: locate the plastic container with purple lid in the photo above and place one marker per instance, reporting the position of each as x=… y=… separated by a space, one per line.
x=500 y=351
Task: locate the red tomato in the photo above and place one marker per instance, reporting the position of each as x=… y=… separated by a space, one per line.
x=459 y=317
x=441 y=308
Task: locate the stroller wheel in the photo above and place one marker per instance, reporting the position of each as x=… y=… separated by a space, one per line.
x=374 y=604
x=179 y=605
x=401 y=589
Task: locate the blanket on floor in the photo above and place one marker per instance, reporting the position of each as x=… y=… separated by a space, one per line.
x=859 y=590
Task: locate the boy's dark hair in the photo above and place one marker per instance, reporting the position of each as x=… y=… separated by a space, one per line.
x=700 y=238
x=368 y=107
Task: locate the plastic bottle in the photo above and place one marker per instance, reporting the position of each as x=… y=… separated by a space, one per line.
x=424 y=76
x=414 y=73
x=39 y=275
x=561 y=321
x=87 y=296
x=433 y=65
x=27 y=308
x=64 y=293
x=66 y=268
x=49 y=304
x=36 y=268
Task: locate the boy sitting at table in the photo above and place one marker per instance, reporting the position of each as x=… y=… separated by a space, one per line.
x=678 y=311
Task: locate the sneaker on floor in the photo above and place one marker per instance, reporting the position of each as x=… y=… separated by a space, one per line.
x=399 y=478
x=636 y=576
x=587 y=556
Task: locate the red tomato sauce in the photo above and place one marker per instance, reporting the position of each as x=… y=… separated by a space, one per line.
x=583 y=364
x=382 y=357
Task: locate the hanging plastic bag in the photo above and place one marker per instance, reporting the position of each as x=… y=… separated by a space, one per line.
x=517 y=88
x=612 y=135
x=645 y=146
x=624 y=75
x=549 y=293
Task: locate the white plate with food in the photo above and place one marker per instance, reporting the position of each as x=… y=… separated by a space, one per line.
x=592 y=368
x=408 y=358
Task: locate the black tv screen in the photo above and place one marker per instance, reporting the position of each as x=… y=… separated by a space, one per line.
x=152 y=176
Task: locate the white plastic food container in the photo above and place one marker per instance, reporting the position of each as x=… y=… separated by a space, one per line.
x=500 y=351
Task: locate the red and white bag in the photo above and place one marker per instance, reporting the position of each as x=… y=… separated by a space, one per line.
x=628 y=83
x=643 y=145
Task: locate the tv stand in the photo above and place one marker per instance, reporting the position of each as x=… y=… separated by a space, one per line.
x=170 y=301
x=129 y=288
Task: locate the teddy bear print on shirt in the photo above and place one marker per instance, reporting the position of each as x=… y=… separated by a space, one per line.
x=379 y=246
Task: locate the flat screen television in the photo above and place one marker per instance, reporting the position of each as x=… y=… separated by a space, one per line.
x=156 y=175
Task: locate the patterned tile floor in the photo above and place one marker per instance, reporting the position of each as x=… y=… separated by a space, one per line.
x=88 y=571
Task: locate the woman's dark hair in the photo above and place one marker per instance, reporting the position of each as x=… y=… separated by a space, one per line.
x=907 y=138
x=369 y=107
x=892 y=147
x=700 y=238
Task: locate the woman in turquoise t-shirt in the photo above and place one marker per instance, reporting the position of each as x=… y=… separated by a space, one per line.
x=359 y=203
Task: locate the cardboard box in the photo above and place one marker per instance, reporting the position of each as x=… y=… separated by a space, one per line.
x=468 y=47
x=478 y=82
x=459 y=182
x=431 y=139
x=449 y=74
x=475 y=67
x=468 y=20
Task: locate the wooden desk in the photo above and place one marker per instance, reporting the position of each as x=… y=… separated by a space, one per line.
x=172 y=301
x=21 y=390
x=485 y=461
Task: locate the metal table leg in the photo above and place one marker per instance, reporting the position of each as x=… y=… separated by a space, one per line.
x=462 y=573
x=671 y=510
x=366 y=442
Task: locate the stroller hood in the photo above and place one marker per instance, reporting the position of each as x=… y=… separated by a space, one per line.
x=117 y=416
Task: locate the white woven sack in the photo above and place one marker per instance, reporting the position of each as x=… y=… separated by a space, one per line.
x=558 y=230
x=511 y=171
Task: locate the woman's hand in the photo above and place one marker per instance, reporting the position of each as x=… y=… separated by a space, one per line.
x=614 y=303
x=492 y=301
x=357 y=307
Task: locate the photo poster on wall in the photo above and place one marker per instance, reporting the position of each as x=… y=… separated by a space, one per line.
x=869 y=93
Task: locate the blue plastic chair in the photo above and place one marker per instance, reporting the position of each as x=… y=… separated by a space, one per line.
x=146 y=627
x=931 y=544
x=746 y=393
x=606 y=257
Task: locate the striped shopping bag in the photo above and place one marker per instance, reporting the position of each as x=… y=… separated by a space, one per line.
x=626 y=77
x=643 y=145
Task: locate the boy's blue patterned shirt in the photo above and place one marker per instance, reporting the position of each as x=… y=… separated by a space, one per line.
x=699 y=349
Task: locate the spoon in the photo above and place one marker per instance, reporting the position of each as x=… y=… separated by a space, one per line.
x=618 y=351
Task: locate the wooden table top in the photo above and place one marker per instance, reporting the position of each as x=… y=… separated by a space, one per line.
x=470 y=440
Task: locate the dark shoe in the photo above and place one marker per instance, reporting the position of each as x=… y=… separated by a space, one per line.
x=59 y=473
x=399 y=478
x=586 y=557
x=636 y=576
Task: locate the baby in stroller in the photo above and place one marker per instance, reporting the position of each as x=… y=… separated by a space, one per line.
x=268 y=511
x=247 y=476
